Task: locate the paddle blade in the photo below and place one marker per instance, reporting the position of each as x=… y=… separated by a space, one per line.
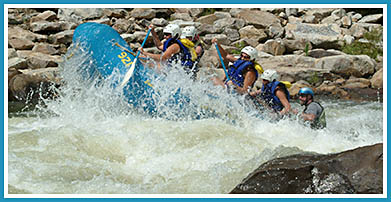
x=129 y=73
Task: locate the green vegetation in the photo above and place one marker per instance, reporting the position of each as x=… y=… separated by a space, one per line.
x=307 y=48
x=370 y=48
x=208 y=11
x=314 y=79
x=239 y=47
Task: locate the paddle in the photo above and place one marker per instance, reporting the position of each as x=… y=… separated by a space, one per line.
x=222 y=61
x=131 y=70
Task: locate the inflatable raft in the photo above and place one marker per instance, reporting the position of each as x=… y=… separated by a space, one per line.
x=111 y=54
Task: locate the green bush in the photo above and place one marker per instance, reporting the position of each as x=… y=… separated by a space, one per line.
x=239 y=47
x=370 y=48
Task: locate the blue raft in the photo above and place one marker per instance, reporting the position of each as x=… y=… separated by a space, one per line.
x=110 y=53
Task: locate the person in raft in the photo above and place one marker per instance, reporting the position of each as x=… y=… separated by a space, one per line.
x=192 y=41
x=313 y=113
x=173 y=50
x=242 y=73
x=274 y=94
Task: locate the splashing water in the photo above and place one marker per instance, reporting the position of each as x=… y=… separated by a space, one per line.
x=91 y=141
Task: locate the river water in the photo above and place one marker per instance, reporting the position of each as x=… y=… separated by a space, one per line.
x=89 y=141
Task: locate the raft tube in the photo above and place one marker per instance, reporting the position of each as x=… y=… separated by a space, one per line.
x=111 y=54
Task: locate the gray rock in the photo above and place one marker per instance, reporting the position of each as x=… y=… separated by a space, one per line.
x=37 y=60
x=292 y=45
x=222 y=15
x=207 y=19
x=159 y=22
x=291 y=11
x=323 y=36
x=77 y=15
x=332 y=19
x=196 y=12
x=320 y=13
x=45 y=16
x=17 y=63
x=221 y=24
x=12 y=53
x=355 y=83
x=115 y=12
x=274 y=47
x=251 y=32
x=376 y=18
x=309 y=19
x=181 y=16
x=347 y=65
x=357 y=30
x=339 y=13
x=346 y=21
x=356 y=17
x=140 y=13
x=18 y=32
x=377 y=79
x=64 y=37
x=339 y=173
x=232 y=34
x=238 y=24
x=275 y=31
x=292 y=19
x=348 y=39
x=34 y=83
x=221 y=38
x=44 y=26
x=21 y=44
x=259 y=19
x=105 y=21
x=45 y=48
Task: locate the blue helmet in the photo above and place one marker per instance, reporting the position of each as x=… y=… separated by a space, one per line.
x=306 y=91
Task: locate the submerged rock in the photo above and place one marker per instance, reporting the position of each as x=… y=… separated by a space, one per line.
x=357 y=171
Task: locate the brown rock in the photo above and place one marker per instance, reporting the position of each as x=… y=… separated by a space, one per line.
x=377 y=79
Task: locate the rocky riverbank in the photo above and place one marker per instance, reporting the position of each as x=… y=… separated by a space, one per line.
x=303 y=45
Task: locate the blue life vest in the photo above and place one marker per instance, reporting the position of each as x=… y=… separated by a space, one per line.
x=184 y=55
x=269 y=95
x=235 y=72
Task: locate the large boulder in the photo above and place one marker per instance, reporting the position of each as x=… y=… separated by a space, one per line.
x=78 y=15
x=377 y=79
x=259 y=19
x=358 y=171
x=320 y=35
x=347 y=65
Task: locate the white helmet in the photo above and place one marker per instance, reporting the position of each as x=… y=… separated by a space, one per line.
x=270 y=75
x=252 y=52
x=189 y=31
x=173 y=29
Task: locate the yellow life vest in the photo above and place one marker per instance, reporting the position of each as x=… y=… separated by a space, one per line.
x=259 y=68
x=190 y=45
x=286 y=83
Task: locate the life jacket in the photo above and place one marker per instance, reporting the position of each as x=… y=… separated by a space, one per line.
x=270 y=97
x=184 y=55
x=320 y=121
x=236 y=71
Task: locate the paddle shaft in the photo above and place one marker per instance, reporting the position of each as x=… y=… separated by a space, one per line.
x=222 y=61
x=129 y=73
x=142 y=45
